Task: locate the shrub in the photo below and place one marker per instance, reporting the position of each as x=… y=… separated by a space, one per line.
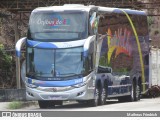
x=15 y=105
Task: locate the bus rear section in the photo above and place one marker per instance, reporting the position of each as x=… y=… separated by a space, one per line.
x=124 y=50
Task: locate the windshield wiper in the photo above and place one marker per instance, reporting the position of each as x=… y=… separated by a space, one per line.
x=71 y=74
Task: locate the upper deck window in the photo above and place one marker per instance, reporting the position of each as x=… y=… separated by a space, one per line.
x=58 y=26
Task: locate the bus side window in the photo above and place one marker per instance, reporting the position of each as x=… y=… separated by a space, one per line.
x=89 y=63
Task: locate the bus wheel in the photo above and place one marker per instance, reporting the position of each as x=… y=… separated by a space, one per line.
x=122 y=99
x=132 y=96
x=137 y=93
x=103 y=96
x=45 y=104
x=94 y=102
x=82 y=101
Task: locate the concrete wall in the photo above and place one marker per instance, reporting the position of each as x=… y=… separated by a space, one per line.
x=154 y=66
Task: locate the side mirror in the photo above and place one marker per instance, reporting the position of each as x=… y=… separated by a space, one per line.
x=102 y=69
x=109 y=69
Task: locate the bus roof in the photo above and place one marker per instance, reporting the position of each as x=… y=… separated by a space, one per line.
x=118 y=10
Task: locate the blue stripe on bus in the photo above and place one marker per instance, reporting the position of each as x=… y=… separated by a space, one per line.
x=54 y=83
x=38 y=44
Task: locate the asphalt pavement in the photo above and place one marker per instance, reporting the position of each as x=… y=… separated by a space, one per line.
x=4 y=105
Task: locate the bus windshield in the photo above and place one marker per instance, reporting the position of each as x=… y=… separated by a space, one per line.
x=52 y=63
x=58 y=26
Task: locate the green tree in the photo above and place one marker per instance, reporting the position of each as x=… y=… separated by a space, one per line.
x=5 y=59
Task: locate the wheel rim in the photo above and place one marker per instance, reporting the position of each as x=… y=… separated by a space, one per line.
x=103 y=95
x=137 y=92
x=132 y=93
x=96 y=96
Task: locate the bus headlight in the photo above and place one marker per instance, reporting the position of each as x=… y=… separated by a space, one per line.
x=31 y=85
x=80 y=85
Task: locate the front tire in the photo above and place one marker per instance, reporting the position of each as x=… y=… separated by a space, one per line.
x=103 y=96
x=82 y=101
x=94 y=102
x=46 y=104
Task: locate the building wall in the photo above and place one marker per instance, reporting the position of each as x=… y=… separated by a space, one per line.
x=154 y=66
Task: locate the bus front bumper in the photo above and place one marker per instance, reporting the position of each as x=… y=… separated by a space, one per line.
x=81 y=93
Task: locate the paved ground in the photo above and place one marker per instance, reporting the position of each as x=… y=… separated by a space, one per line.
x=4 y=105
x=112 y=105
x=151 y=104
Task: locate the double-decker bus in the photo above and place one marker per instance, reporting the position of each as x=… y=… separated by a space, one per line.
x=85 y=53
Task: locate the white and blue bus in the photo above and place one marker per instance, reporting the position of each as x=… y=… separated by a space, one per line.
x=85 y=53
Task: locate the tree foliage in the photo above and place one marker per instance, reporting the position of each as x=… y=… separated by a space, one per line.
x=6 y=69
x=5 y=59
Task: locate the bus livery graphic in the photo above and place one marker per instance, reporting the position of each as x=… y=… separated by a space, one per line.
x=120 y=42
